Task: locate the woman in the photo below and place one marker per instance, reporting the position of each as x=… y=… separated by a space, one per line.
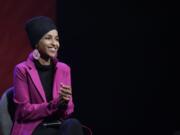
x=43 y=86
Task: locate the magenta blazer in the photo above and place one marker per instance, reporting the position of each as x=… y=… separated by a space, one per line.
x=30 y=98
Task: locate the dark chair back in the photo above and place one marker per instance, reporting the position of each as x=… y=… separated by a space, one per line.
x=7 y=110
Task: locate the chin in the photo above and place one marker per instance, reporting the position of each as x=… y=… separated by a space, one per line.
x=52 y=55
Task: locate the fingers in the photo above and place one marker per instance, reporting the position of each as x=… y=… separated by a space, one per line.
x=66 y=89
x=64 y=95
x=65 y=98
x=65 y=92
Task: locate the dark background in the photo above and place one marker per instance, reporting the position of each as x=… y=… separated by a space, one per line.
x=86 y=48
x=123 y=57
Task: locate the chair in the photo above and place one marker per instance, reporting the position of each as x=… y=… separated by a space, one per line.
x=7 y=109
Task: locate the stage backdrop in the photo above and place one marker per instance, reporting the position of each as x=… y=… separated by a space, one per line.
x=14 y=43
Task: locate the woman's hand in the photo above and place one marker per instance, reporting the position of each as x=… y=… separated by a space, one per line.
x=65 y=93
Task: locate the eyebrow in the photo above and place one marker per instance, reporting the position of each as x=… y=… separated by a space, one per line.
x=51 y=35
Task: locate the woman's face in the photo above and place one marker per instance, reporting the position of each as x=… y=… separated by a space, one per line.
x=49 y=44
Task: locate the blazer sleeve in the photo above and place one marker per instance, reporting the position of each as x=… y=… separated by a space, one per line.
x=64 y=113
x=25 y=110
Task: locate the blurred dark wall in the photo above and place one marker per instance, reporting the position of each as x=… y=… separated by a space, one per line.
x=121 y=61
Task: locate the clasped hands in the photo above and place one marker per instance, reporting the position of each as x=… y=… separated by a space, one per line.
x=65 y=93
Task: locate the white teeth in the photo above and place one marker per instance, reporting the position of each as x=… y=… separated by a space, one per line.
x=52 y=49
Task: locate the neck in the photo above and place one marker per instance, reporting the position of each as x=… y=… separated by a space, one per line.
x=43 y=61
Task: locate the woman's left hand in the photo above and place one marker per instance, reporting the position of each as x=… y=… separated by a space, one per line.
x=65 y=93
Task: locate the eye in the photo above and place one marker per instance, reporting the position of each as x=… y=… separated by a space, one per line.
x=47 y=38
x=57 y=39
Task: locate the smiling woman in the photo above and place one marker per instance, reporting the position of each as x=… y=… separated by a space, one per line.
x=43 y=93
x=48 y=46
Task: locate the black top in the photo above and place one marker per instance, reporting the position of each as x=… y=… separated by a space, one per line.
x=46 y=74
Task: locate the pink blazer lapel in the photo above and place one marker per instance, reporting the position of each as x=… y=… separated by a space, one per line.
x=35 y=77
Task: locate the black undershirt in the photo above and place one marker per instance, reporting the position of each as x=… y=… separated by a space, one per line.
x=46 y=74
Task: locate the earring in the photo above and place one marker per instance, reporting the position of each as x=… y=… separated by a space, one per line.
x=36 y=54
